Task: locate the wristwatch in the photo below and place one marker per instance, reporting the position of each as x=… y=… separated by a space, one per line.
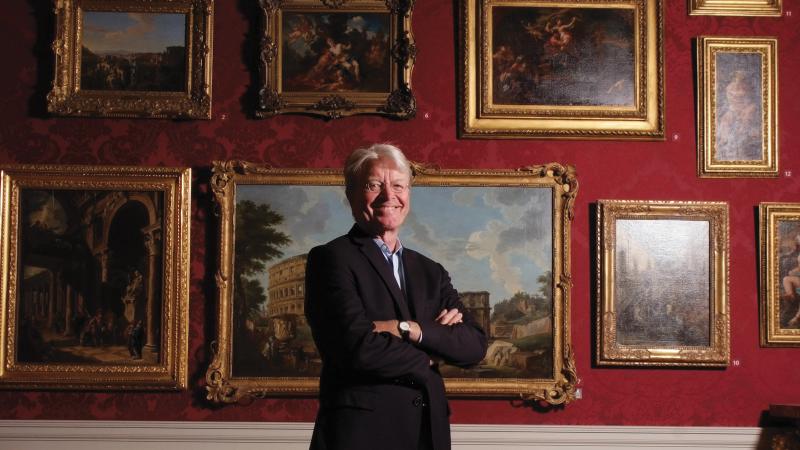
x=405 y=329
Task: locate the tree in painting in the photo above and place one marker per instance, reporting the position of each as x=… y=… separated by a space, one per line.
x=257 y=242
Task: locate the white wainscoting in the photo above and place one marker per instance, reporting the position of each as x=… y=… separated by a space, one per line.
x=134 y=435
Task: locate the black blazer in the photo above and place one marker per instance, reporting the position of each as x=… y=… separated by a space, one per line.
x=374 y=386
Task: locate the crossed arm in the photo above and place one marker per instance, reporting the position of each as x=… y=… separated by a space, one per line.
x=446 y=317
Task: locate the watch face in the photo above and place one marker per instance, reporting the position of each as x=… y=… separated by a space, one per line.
x=404 y=326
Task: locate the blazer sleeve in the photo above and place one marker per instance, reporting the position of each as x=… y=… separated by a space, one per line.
x=343 y=332
x=463 y=344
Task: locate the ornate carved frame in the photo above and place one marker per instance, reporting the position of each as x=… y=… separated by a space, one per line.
x=612 y=353
x=771 y=8
x=708 y=109
x=397 y=102
x=193 y=102
x=166 y=239
x=481 y=118
x=770 y=214
x=559 y=388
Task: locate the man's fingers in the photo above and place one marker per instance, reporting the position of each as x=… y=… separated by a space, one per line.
x=450 y=317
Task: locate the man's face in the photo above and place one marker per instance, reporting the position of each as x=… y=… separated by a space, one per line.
x=384 y=210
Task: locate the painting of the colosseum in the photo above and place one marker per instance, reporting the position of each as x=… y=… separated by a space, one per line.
x=496 y=242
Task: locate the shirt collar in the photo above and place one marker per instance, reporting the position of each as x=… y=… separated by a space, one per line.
x=385 y=248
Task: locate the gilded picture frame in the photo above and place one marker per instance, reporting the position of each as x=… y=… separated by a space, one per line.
x=133 y=58
x=291 y=210
x=576 y=69
x=331 y=58
x=767 y=8
x=654 y=309
x=737 y=110
x=95 y=277
x=779 y=256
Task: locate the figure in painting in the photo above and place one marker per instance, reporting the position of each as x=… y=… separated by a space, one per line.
x=791 y=286
x=136 y=340
x=738 y=133
x=130 y=294
x=560 y=34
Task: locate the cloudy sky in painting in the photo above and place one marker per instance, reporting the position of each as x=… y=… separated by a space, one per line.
x=493 y=239
x=120 y=33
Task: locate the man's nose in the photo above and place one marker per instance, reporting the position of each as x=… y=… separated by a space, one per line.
x=386 y=189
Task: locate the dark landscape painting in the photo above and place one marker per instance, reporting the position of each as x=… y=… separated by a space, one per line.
x=125 y=51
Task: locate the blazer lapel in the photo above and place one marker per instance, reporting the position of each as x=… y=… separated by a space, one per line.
x=414 y=290
x=378 y=262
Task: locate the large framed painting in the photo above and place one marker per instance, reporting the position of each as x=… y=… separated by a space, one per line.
x=780 y=274
x=771 y=8
x=332 y=58
x=590 y=69
x=737 y=83
x=94 y=271
x=133 y=58
x=654 y=308
x=508 y=256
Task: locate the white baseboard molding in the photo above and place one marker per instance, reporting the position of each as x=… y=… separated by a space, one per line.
x=135 y=435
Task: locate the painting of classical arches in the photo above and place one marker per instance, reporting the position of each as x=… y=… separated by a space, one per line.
x=91 y=263
x=97 y=278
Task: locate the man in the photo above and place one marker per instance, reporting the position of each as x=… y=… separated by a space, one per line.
x=381 y=314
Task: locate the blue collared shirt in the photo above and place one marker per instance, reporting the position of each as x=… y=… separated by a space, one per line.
x=395 y=258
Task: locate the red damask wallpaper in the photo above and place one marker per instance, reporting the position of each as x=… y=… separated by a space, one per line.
x=736 y=396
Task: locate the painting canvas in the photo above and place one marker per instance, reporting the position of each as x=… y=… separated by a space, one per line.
x=132 y=58
x=780 y=274
x=503 y=258
x=651 y=255
x=133 y=51
x=653 y=307
x=96 y=284
x=500 y=262
x=78 y=308
x=738 y=134
x=590 y=69
x=737 y=108
x=563 y=56
x=329 y=52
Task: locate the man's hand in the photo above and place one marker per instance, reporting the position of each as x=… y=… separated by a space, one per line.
x=449 y=317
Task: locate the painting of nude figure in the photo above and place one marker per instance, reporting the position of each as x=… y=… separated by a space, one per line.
x=563 y=56
x=779 y=243
x=336 y=52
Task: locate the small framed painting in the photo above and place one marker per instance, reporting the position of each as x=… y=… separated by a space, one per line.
x=654 y=309
x=133 y=58
x=737 y=83
x=779 y=236
x=771 y=8
x=333 y=58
